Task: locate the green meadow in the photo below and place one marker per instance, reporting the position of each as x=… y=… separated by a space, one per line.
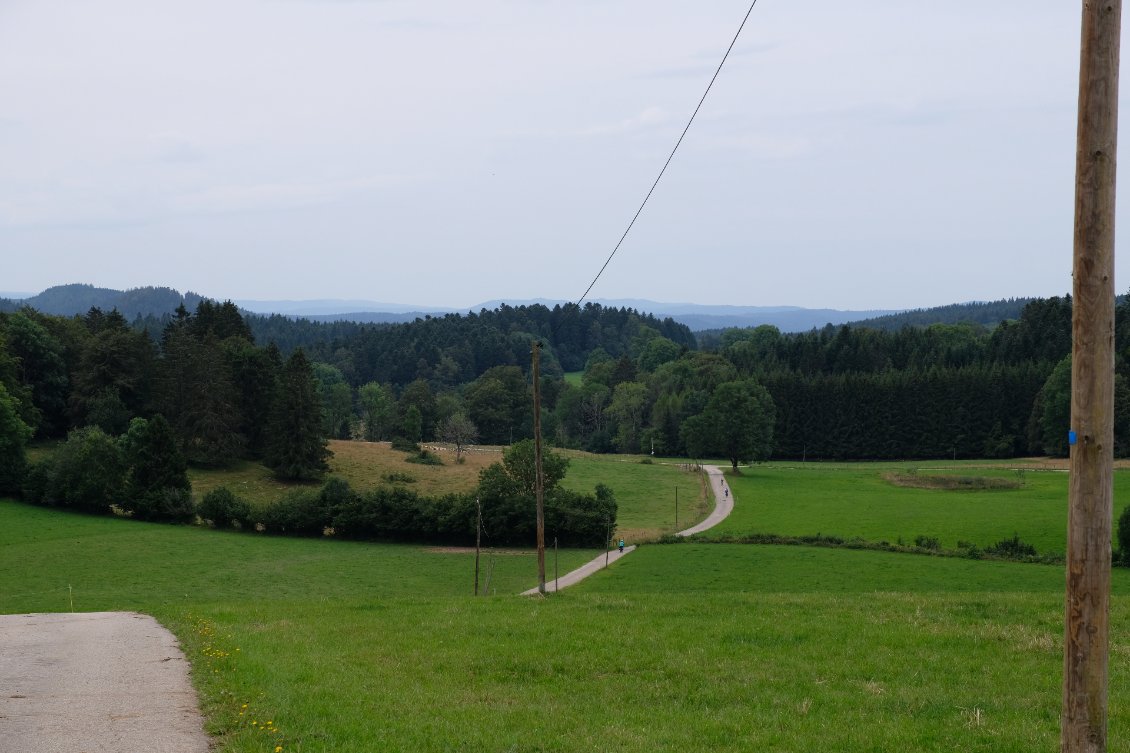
x=857 y=500
x=645 y=494
x=645 y=498
x=322 y=645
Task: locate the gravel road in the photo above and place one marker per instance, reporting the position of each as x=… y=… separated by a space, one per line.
x=723 y=502
x=97 y=682
x=723 y=506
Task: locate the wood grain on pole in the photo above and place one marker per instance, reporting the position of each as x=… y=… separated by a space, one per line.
x=1087 y=603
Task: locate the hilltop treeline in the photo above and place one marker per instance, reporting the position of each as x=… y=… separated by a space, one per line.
x=988 y=313
x=943 y=390
x=66 y=300
x=218 y=384
x=925 y=392
x=455 y=349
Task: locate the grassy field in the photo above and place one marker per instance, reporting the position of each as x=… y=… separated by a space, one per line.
x=358 y=647
x=644 y=494
x=320 y=645
x=50 y=557
x=363 y=464
x=746 y=568
x=856 y=500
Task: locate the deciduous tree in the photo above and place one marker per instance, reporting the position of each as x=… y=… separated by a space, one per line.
x=737 y=424
x=458 y=430
x=14 y=435
x=377 y=410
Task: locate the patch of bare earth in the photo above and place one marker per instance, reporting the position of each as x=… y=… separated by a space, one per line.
x=471 y=550
x=951 y=483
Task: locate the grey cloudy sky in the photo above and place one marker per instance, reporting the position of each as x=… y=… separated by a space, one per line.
x=873 y=154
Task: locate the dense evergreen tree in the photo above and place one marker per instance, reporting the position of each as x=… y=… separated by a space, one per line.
x=14 y=435
x=197 y=395
x=296 y=449
x=254 y=373
x=220 y=321
x=1055 y=410
x=19 y=392
x=114 y=373
x=155 y=468
x=42 y=368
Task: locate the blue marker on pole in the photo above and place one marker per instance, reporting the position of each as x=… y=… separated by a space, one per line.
x=1071 y=437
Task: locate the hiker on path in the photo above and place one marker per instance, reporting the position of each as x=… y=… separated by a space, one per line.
x=621 y=546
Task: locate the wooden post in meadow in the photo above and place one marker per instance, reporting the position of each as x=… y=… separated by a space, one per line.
x=1083 y=727
x=539 y=480
x=478 y=539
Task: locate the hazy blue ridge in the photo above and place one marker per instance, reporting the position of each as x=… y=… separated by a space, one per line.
x=69 y=300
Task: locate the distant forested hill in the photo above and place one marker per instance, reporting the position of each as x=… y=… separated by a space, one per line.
x=457 y=348
x=985 y=314
x=69 y=300
x=989 y=314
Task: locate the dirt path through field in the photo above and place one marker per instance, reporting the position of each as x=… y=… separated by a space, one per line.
x=723 y=506
x=97 y=682
x=723 y=502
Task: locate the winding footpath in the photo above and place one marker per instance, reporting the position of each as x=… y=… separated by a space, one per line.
x=723 y=506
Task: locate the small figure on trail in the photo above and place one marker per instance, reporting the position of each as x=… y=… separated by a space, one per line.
x=621 y=546
x=727 y=491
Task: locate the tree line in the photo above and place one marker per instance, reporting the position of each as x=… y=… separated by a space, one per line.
x=636 y=384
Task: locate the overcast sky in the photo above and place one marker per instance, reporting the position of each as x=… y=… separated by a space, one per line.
x=873 y=154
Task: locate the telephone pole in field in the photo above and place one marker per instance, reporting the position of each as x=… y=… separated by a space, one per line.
x=1083 y=727
x=539 y=479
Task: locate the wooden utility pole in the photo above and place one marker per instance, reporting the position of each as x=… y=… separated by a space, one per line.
x=539 y=478
x=478 y=539
x=1083 y=727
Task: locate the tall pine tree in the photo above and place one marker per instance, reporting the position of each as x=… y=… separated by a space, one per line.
x=296 y=449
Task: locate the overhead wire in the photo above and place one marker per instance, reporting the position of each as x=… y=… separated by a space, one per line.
x=671 y=155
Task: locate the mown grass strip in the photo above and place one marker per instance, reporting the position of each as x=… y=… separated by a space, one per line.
x=856 y=501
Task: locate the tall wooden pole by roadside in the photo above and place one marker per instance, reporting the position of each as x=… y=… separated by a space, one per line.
x=539 y=479
x=1083 y=727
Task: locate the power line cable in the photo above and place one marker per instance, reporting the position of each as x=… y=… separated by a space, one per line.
x=671 y=155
